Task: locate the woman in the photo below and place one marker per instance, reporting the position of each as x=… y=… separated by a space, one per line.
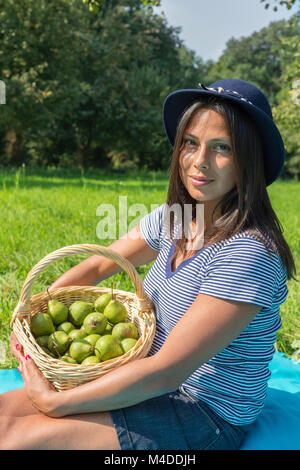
x=217 y=302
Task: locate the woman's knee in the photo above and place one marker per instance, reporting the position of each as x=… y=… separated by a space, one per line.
x=15 y=403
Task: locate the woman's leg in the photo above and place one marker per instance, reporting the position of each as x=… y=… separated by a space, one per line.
x=23 y=427
x=16 y=404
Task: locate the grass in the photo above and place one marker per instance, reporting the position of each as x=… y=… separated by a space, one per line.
x=44 y=210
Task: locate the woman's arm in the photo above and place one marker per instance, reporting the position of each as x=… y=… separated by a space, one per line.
x=96 y=268
x=207 y=327
x=128 y=385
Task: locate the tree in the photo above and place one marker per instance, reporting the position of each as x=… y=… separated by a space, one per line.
x=136 y=64
x=287 y=113
x=42 y=77
x=103 y=98
x=259 y=58
x=87 y=89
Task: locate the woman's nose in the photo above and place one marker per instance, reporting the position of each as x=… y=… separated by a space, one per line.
x=201 y=157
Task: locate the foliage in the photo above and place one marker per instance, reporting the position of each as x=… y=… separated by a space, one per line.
x=287 y=113
x=42 y=78
x=86 y=90
x=105 y=96
x=94 y=5
x=258 y=58
x=287 y=3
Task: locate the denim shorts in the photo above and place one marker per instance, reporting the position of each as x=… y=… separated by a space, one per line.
x=174 y=421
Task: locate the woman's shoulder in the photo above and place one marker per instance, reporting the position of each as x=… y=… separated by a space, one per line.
x=251 y=246
x=255 y=238
x=248 y=241
x=240 y=269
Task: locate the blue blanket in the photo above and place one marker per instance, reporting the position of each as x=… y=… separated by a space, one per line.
x=278 y=425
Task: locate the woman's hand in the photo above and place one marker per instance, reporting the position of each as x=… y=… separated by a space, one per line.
x=39 y=390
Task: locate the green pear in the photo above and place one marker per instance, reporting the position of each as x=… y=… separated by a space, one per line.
x=108 y=347
x=77 y=334
x=59 y=342
x=101 y=302
x=41 y=324
x=58 y=311
x=91 y=360
x=66 y=326
x=68 y=359
x=42 y=340
x=128 y=343
x=125 y=330
x=115 y=312
x=80 y=349
x=95 y=322
x=78 y=310
x=92 y=339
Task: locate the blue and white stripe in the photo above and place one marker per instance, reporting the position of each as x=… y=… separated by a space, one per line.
x=234 y=382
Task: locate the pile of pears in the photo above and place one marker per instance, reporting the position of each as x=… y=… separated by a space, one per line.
x=86 y=332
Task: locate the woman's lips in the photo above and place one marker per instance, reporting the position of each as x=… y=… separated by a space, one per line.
x=197 y=182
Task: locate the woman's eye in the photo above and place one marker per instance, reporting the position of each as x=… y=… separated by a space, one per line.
x=223 y=147
x=189 y=142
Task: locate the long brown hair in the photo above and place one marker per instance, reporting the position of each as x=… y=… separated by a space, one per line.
x=247 y=206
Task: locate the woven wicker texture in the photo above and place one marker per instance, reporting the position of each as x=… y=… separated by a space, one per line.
x=139 y=307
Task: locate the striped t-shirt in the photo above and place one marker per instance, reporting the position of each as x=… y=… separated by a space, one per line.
x=234 y=382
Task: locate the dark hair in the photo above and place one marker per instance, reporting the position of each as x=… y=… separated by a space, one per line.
x=247 y=206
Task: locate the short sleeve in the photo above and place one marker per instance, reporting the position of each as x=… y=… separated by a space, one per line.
x=242 y=270
x=151 y=227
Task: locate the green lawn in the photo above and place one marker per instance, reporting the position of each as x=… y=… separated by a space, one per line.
x=44 y=210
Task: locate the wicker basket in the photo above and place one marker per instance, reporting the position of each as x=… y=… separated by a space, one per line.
x=139 y=306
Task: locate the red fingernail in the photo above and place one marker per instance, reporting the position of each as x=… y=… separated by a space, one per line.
x=27 y=357
x=17 y=347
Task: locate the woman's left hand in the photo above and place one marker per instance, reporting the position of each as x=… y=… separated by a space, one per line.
x=39 y=390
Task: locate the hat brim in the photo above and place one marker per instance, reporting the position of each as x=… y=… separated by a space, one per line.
x=273 y=148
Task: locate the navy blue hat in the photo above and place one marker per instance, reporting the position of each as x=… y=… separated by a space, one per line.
x=251 y=99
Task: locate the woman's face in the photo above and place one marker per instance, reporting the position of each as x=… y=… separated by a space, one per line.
x=207 y=153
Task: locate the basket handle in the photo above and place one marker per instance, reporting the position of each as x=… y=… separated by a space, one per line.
x=23 y=307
